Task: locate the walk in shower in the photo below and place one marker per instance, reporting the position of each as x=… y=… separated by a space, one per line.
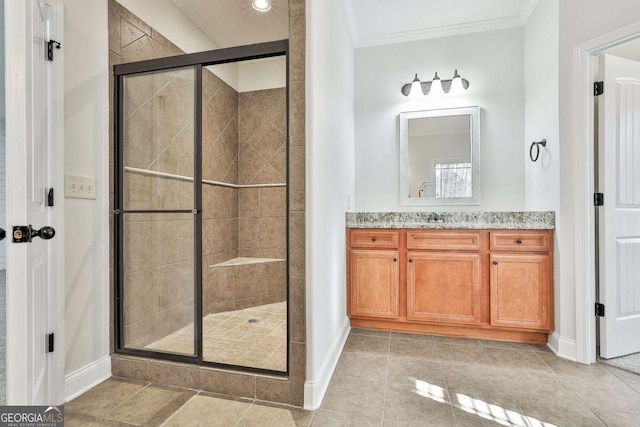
x=201 y=209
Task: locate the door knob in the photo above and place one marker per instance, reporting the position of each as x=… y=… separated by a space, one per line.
x=3 y=234
x=44 y=233
x=26 y=233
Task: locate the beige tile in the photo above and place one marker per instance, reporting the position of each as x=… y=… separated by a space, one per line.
x=488 y=416
x=506 y=344
x=248 y=202
x=567 y=368
x=296 y=244
x=423 y=349
x=366 y=331
x=241 y=385
x=414 y=373
x=362 y=366
x=273 y=201
x=104 y=397
x=150 y=406
x=330 y=418
x=208 y=411
x=176 y=375
x=250 y=280
x=463 y=354
x=367 y=344
x=130 y=368
x=273 y=232
x=455 y=340
x=516 y=359
x=414 y=406
x=269 y=416
x=575 y=414
x=72 y=419
x=355 y=396
x=297 y=184
x=297 y=37
x=297 y=115
x=297 y=314
x=273 y=390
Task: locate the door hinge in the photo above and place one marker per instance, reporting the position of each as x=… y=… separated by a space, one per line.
x=598 y=88
x=599 y=310
x=49 y=49
x=49 y=341
x=50 y=197
x=598 y=199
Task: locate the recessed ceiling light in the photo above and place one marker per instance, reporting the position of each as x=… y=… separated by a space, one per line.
x=261 y=5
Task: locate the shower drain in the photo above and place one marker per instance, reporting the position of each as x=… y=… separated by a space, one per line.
x=254 y=320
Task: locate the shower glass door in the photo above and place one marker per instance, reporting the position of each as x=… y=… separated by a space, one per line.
x=157 y=208
x=201 y=208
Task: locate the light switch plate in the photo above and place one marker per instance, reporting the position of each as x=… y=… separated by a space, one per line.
x=79 y=186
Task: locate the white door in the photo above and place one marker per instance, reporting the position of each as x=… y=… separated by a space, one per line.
x=31 y=300
x=619 y=229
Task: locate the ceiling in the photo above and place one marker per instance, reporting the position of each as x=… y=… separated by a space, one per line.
x=372 y=22
x=235 y=23
x=378 y=22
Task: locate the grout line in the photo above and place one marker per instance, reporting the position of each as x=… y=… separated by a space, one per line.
x=386 y=376
x=444 y=378
x=245 y=412
x=179 y=409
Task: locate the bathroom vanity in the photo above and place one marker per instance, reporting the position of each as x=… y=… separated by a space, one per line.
x=481 y=275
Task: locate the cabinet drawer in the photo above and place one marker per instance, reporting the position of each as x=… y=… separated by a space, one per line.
x=444 y=240
x=520 y=241
x=383 y=239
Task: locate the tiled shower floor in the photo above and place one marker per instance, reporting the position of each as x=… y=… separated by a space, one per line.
x=230 y=338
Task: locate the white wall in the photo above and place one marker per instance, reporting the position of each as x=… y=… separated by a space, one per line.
x=261 y=74
x=3 y=185
x=164 y=17
x=329 y=185
x=86 y=118
x=580 y=21
x=541 y=106
x=493 y=64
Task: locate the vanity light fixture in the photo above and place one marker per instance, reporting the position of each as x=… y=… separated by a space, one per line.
x=415 y=89
x=261 y=5
x=436 y=87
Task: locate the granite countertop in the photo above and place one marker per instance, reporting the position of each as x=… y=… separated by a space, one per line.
x=453 y=220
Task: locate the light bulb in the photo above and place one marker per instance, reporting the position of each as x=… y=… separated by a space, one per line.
x=456 y=83
x=436 y=86
x=416 y=88
x=261 y=5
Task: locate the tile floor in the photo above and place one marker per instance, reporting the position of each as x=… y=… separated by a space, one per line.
x=230 y=338
x=390 y=379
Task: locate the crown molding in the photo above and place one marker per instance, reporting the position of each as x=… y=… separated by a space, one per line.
x=527 y=10
x=352 y=23
x=432 y=33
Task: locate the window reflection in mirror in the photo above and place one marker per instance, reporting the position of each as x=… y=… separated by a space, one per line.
x=440 y=156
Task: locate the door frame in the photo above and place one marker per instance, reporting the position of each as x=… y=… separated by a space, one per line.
x=16 y=124
x=583 y=136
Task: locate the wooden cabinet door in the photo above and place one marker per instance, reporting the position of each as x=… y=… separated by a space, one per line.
x=373 y=284
x=520 y=291
x=444 y=287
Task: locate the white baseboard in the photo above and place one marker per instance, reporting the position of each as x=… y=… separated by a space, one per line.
x=87 y=377
x=314 y=390
x=563 y=347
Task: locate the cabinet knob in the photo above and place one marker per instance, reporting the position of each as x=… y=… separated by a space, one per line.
x=373 y=239
x=410 y=260
x=519 y=241
x=495 y=262
x=395 y=260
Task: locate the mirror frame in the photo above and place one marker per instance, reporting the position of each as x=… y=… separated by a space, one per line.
x=404 y=117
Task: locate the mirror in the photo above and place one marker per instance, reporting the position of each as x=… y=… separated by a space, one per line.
x=440 y=157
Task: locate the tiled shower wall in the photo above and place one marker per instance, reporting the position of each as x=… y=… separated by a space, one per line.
x=261 y=211
x=131 y=39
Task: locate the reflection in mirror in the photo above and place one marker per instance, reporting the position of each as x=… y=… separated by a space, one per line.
x=439 y=152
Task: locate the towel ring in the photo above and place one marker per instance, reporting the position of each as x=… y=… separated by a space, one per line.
x=536 y=144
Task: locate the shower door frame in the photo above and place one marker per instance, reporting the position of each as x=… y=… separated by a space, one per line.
x=197 y=61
